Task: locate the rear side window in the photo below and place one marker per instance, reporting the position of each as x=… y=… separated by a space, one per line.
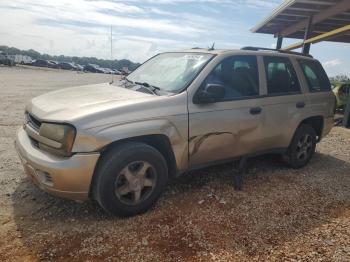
x=280 y=75
x=347 y=89
x=315 y=75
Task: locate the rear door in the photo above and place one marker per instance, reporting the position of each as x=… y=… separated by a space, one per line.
x=284 y=102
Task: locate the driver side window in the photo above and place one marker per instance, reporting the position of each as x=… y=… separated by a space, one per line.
x=238 y=75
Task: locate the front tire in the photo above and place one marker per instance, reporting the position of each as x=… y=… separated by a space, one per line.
x=130 y=178
x=302 y=147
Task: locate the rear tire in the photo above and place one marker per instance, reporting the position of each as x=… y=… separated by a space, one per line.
x=302 y=147
x=130 y=178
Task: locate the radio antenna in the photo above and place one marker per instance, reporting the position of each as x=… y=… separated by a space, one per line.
x=212 y=47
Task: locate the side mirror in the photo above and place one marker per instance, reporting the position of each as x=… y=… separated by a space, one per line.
x=210 y=94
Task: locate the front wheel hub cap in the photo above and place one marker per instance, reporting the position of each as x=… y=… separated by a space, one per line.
x=135 y=183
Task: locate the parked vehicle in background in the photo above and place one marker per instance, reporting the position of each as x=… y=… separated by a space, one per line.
x=79 y=67
x=26 y=60
x=121 y=143
x=5 y=60
x=116 y=72
x=104 y=70
x=52 y=64
x=21 y=59
x=341 y=91
x=108 y=71
x=45 y=63
x=67 y=66
x=93 y=68
x=41 y=63
x=125 y=71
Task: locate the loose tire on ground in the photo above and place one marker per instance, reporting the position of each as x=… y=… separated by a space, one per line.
x=119 y=179
x=302 y=147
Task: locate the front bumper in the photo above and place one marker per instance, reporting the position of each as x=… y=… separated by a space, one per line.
x=67 y=177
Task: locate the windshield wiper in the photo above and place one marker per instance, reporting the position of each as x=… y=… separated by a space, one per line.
x=148 y=86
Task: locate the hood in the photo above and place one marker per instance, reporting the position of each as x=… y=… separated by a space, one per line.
x=69 y=104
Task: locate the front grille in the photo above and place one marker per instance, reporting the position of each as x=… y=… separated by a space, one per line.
x=33 y=121
x=35 y=124
x=35 y=142
x=44 y=177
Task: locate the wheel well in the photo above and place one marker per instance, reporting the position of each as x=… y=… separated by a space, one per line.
x=159 y=142
x=317 y=123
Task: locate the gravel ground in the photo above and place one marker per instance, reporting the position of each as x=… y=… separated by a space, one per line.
x=281 y=214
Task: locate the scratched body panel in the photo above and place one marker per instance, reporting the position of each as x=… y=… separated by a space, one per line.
x=222 y=131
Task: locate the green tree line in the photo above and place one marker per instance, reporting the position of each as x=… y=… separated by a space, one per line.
x=339 y=79
x=114 y=64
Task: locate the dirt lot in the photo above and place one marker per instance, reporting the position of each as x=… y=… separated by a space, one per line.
x=281 y=214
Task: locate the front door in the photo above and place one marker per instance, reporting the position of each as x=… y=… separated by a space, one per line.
x=232 y=126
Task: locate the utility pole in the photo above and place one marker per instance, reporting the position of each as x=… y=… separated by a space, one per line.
x=112 y=53
x=111 y=42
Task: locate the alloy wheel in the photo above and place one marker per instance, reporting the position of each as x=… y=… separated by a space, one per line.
x=304 y=147
x=135 y=183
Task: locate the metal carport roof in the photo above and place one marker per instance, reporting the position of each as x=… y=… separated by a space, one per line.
x=312 y=21
x=292 y=17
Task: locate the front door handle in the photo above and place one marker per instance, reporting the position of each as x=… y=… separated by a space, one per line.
x=300 y=105
x=255 y=110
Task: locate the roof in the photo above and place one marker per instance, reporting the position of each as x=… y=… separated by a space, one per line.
x=247 y=51
x=291 y=17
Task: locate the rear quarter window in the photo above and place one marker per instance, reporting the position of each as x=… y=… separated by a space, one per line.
x=315 y=76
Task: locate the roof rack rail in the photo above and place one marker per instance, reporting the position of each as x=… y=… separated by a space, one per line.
x=253 y=48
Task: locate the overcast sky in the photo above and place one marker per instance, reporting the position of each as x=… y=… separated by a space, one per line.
x=142 y=28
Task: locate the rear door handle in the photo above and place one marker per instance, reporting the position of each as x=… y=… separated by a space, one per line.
x=255 y=111
x=300 y=105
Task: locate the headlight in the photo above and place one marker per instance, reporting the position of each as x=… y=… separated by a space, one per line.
x=60 y=138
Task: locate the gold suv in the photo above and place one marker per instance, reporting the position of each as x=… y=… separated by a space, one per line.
x=120 y=143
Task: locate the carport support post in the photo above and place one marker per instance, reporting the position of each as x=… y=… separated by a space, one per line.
x=308 y=30
x=346 y=117
x=279 y=42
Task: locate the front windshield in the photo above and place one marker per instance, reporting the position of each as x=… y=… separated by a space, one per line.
x=171 y=72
